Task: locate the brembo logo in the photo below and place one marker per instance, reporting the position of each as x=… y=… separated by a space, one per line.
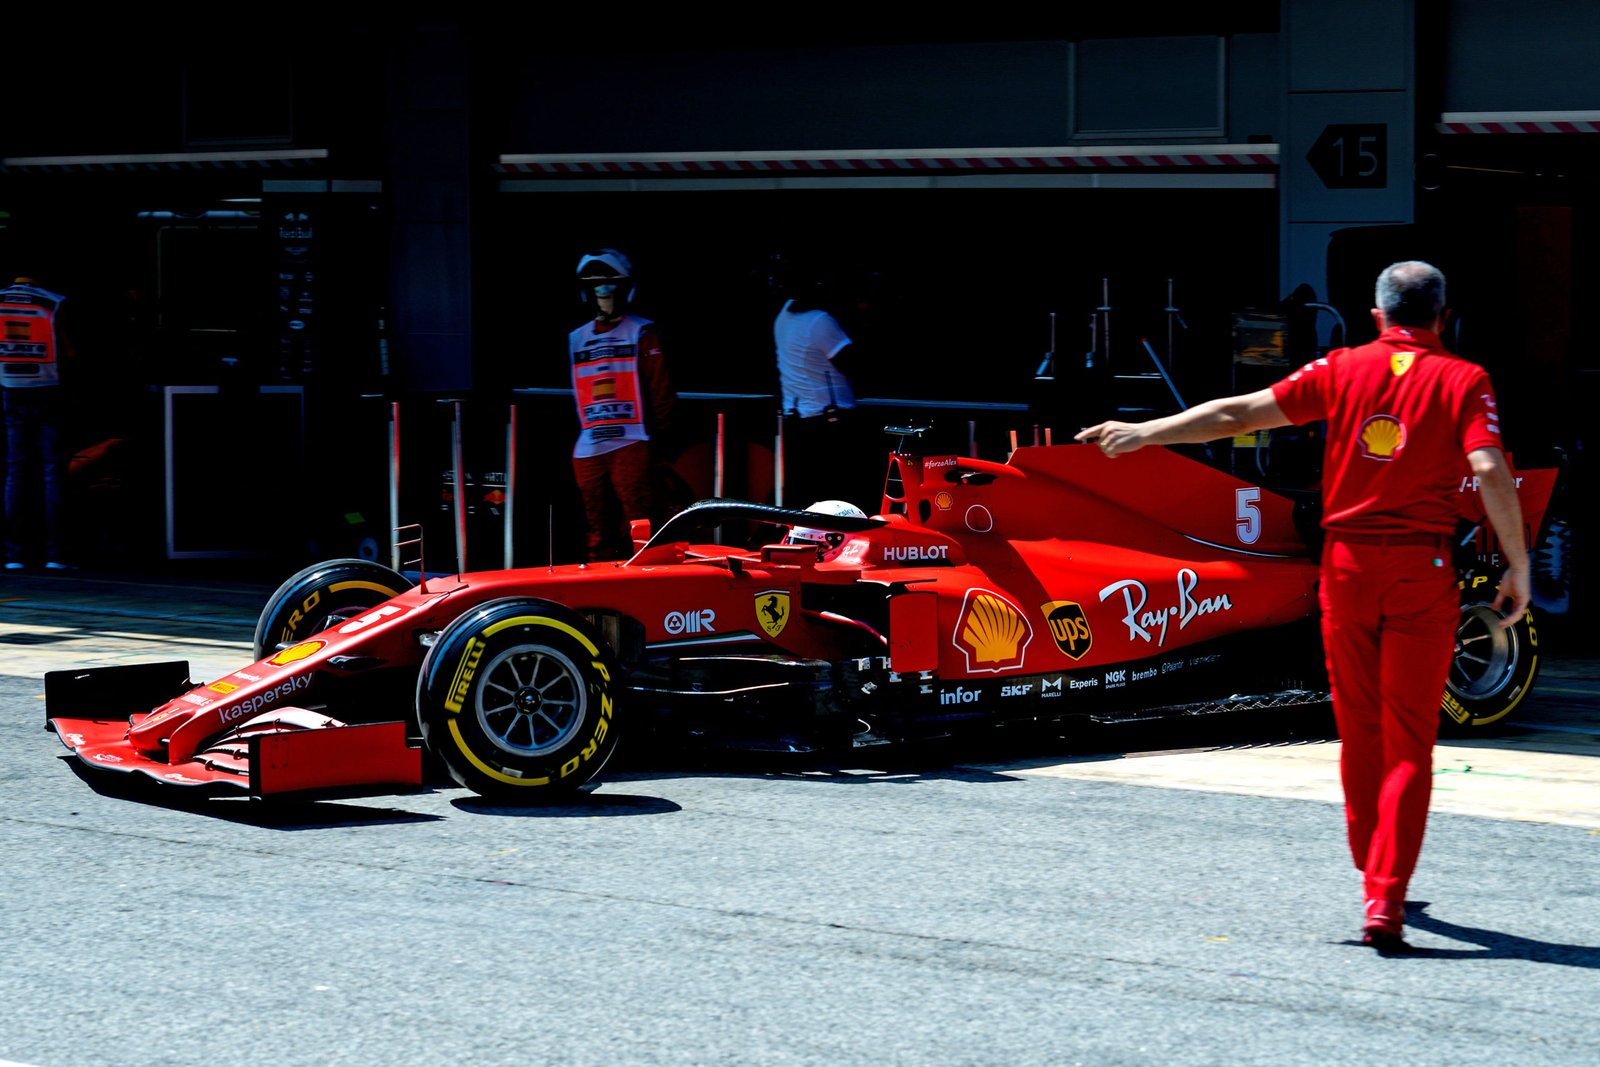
x=702 y=620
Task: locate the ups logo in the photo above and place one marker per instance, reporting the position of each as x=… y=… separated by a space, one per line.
x=1069 y=626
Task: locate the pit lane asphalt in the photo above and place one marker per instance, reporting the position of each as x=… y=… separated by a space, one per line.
x=1173 y=895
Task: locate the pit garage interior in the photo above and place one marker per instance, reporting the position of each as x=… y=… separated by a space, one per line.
x=292 y=259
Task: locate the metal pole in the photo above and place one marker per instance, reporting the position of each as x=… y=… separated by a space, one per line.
x=972 y=438
x=394 y=483
x=511 y=484
x=460 y=489
x=777 y=465
x=716 y=481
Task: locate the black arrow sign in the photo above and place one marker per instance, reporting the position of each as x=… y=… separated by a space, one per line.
x=1352 y=156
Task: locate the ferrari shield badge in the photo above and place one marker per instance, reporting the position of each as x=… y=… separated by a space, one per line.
x=772 y=610
x=1400 y=362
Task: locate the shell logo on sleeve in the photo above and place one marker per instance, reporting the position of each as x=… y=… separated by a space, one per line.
x=991 y=632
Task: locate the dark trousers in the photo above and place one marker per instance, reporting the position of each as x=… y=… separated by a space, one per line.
x=833 y=459
x=34 y=461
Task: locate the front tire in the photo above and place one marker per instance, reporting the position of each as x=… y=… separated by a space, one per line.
x=517 y=698
x=1492 y=671
x=323 y=595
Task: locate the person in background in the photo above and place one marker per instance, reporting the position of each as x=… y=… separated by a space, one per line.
x=35 y=350
x=625 y=400
x=816 y=359
x=1406 y=421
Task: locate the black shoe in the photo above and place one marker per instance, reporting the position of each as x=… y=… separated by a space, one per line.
x=1385 y=942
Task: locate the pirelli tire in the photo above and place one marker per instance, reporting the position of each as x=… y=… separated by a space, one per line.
x=1492 y=671
x=517 y=699
x=323 y=595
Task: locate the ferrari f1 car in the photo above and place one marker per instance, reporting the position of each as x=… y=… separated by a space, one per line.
x=1058 y=583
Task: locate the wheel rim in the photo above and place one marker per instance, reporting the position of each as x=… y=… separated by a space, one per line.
x=1486 y=655
x=531 y=700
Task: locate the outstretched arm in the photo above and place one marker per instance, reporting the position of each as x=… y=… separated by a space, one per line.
x=1223 y=417
x=1498 y=491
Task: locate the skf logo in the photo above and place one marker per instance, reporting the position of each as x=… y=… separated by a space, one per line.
x=1382 y=437
x=295 y=653
x=1400 y=362
x=772 y=611
x=1015 y=690
x=1050 y=687
x=1069 y=626
x=991 y=632
x=462 y=681
x=690 y=622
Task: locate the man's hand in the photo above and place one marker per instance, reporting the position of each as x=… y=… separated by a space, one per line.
x=1515 y=588
x=1114 y=438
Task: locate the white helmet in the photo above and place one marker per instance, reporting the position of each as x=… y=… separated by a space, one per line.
x=606 y=266
x=829 y=542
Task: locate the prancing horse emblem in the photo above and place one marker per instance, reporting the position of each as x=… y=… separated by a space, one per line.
x=772 y=610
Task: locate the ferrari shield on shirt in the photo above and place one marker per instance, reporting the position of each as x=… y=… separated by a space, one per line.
x=608 y=383
x=1402 y=414
x=29 y=346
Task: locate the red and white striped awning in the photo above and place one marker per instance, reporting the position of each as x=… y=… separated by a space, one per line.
x=247 y=159
x=893 y=161
x=1519 y=122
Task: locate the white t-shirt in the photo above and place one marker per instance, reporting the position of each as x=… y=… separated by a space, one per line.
x=807 y=341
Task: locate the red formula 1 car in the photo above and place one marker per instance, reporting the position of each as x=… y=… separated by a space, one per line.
x=1059 y=583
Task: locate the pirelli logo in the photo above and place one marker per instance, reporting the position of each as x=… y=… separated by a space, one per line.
x=463 y=676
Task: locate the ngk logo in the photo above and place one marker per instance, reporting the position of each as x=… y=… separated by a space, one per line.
x=690 y=622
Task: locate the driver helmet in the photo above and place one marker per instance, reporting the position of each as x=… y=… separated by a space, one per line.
x=829 y=543
x=605 y=272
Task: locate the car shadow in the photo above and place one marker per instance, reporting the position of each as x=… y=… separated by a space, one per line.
x=285 y=813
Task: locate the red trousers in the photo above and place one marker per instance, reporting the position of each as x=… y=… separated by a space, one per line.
x=616 y=489
x=1389 y=615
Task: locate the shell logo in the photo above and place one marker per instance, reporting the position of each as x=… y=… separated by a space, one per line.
x=943 y=500
x=295 y=653
x=1382 y=437
x=991 y=632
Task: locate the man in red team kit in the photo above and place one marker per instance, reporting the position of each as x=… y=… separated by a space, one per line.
x=1406 y=420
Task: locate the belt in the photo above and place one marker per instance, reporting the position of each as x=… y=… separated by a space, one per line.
x=1437 y=540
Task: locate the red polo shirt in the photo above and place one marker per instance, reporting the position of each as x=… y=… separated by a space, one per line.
x=1402 y=414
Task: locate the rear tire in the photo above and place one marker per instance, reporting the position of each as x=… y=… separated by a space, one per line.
x=323 y=595
x=517 y=699
x=1492 y=671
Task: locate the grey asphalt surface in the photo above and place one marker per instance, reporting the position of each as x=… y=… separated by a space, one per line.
x=933 y=907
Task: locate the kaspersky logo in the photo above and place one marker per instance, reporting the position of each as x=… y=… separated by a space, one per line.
x=991 y=632
x=1069 y=627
